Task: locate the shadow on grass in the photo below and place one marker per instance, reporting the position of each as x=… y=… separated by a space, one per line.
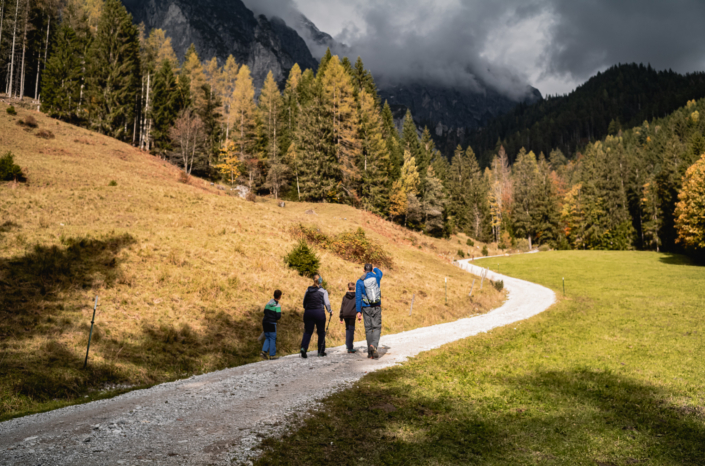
x=549 y=418
x=696 y=260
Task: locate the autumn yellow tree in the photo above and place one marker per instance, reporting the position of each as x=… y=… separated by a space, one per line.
x=269 y=109
x=226 y=88
x=158 y=48
x=193 y=70
x=244 y=121
x=690 y=210
x=339 y=101
x=230 y=163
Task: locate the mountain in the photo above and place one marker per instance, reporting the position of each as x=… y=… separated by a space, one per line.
x=624 y=96
x=219 y=28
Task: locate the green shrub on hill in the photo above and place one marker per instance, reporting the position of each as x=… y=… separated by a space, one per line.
x=9 y=171
x=303 y=260
x=11 y=110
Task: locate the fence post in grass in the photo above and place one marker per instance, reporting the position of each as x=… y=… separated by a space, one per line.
x=95 y=306
x=446 y=290
x=472 y=288
x=564 y=287
x=412 y=304
x=482 y=275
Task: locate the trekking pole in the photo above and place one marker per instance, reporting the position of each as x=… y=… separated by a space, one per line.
x=412 y=304
x=95 y=306
x=329 y=319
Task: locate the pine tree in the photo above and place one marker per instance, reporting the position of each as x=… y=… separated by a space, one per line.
x=525 y=175
x=410 y=136
x=167 y=102
x=327 y=57
x=290 y=106
x=226 y=88
x=342 y=110
x=363 y=80
x=375 y=158
x=113 y=78
x=546 y=209
x=394 y=148
x=63 y=78
x=433 y=205
x=269 y=109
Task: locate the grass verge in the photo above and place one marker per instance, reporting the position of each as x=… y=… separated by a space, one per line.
x=611 y=375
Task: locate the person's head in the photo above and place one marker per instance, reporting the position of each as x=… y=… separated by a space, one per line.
x=351 y=286
x=277 y=295
x=317 y=280
x=368 y=267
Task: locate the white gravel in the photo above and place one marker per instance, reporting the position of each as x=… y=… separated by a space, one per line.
x=220 y=417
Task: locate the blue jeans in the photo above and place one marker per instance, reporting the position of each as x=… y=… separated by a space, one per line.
x=270 y=342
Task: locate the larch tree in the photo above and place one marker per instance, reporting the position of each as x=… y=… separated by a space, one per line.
x=226 y=89
x=193 y=70
x=690 y=210
x=243 y=111
x=341 y=107
x=113 y=78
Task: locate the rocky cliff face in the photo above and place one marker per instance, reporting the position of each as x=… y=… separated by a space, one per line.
x=219 y=28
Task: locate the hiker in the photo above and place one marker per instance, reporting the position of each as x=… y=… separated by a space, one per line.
x=347 y=314
x=316 y=303
x=272 y=313
x=368 y=302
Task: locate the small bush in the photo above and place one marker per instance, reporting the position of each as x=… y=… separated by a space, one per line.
x=183 y=177
x=9 y=171
x=251 y=197
x=29 y=121
x=485 y=252
x=499 y=285
x=303 y=260
x=522 y=244
x=11 y=110
x=470 y=242
x=544 y=248
x=45 y=134
x=461 y=254
x=112 y=183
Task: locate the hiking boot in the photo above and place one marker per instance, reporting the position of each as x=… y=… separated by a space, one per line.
x=273 y=358
x=322 y=353
x=370 y=352
x=303 y=353
x=352 y=351
x=264 y=355
x=375 y=354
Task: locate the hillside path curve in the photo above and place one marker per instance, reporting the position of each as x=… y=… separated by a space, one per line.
x=219 y=417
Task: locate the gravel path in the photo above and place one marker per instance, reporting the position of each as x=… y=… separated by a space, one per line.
x=220 y=417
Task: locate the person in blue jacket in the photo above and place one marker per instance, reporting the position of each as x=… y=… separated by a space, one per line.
x=368 y=301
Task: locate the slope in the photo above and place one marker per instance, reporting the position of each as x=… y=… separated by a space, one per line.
x=182 y=270
x=627 y=94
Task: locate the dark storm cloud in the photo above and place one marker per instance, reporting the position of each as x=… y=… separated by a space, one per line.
x=551 y=44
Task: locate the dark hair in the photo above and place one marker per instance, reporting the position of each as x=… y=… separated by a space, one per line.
x=368 y=267
x=351 y=286
x=277 y=294
x=316 y=278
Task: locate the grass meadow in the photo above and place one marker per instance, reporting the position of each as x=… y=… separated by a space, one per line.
x=611 y=375
x=182 y=270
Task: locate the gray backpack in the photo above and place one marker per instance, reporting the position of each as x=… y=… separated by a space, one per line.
x=373 y=295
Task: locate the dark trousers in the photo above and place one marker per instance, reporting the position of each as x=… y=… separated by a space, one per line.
x=317 y=319
x=349 y=332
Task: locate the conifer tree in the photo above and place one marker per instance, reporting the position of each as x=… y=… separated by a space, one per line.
x=193 y=70
x=63 y=78
x=344 y=119
x=226 y=88
x=167 y=102
x=433 y=204
x=229 y=165
x=244 y=124
x=410 y=136
x=690 y=210
x=290 y=109
x=652 y=217
x=525 y=179
x=113 y=77
x=394 y=148
x=363 y=80
x=375 y=158
x=157 y=48
x=323 y=64
x=269 y=109
x=546 y=210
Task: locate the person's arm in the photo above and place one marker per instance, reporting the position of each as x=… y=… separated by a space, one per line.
x=379 y=275
x=341 y=308
x=279 y=312
x=326 y=302
x=358 y=296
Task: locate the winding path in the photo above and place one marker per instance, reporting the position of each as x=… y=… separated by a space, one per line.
x=218 y=417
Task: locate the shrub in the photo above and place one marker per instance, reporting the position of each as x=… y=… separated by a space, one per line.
x=522 y=244
x=303 y=260
x=485 y=252
x=183 y=177
x=461 y=254
x=9 y=171
x=45 y=134
x=351 y=246
x=544 y=248
x=499 y=285
x=251 y=197
x=11 y=110
x=112 y=183
x=470 y=242
x=29 y=121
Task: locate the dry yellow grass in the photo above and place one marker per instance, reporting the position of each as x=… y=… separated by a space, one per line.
x=182 y=270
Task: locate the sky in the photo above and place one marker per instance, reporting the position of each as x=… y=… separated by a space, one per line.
x=553 y=45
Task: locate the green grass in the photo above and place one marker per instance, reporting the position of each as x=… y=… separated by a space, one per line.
x=611 y=375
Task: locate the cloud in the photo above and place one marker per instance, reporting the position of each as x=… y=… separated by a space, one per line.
x=551 y=44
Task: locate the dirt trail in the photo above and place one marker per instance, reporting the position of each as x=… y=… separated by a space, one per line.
x=219 y=417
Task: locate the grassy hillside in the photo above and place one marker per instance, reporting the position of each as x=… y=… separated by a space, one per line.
x=611 y=375
x=182 y=270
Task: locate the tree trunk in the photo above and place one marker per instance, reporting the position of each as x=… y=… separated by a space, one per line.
x=46 y=49
x=2 y=19
x=12 y=52
x=24 y=50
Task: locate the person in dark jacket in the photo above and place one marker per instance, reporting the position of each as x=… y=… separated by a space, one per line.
x=272 y=313
x=368 y=301
x=316 y=303
x=347 y=315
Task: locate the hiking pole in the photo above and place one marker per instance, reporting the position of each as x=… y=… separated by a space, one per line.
x=329 y=319
x=95 y=306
